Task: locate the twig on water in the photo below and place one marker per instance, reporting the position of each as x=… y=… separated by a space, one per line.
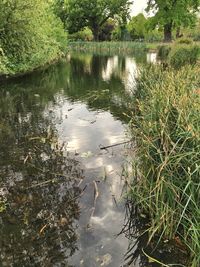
x=118 y=144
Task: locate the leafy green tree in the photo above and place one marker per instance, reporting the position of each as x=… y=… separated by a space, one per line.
x=30 y=34
x=173 y=14
x=93 y=13
x=137 y=27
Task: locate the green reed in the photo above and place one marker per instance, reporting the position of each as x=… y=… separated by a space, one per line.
x=166 y=126
x=116 y=47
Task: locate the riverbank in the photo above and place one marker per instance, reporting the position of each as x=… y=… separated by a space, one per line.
x=46 y=64
x=33 y=42
x=166 y=169
x=130 y=47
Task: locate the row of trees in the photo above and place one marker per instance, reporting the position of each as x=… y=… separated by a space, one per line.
x=94 y=14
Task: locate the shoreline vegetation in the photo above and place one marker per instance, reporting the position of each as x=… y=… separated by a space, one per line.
x=46 y=65
x=112 y=47
x=166 y=169
x=32 y=42
x=9 y=69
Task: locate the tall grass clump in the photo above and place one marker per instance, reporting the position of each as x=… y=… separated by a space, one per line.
x=183 y=52
x=182 y=55
x=166 y=126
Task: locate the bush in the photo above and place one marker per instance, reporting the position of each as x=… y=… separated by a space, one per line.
x=31 y=35
x=182 y=55
x=187 y=41
x=84 y=35
x=153 y=36
x=163 y=51
x=3 y=63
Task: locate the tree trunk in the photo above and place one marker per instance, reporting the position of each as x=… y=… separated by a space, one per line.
x=178 y=33
x=168 y=32
x=95 y=32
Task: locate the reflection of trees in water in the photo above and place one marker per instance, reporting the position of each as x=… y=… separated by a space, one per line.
x=96 y=92
x=80 y=79
x=38 y=185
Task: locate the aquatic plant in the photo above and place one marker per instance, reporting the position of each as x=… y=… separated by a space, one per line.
x=117 y=47
x=166 y=126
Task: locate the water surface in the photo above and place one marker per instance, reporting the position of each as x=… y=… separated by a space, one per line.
x=60 y=193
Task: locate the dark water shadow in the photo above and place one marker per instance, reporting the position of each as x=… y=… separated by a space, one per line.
x=157 y=252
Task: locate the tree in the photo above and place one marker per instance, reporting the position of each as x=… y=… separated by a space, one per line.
x=93 y=13
x=105 y=33
x=30 y=34
x=173 y=14
x=137 y=27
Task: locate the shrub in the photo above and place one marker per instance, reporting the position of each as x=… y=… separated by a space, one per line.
x=153 y=36
x=31 y=35
x=187 y=41
x=3 y=63
x=84 y=35
x=163 y=51
x=182 y=55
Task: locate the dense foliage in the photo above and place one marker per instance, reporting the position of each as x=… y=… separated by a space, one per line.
x=181 y=53
x=94 y=14
x=137 y=27
x=30 y=35
x=173 y=14
x=174 y=18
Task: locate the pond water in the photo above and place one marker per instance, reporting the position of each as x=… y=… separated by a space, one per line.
x=61 y=194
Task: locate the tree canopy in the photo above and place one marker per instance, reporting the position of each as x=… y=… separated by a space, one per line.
x=30 y=34
x=93 y=13
x=173 y=13
x=137 y=26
